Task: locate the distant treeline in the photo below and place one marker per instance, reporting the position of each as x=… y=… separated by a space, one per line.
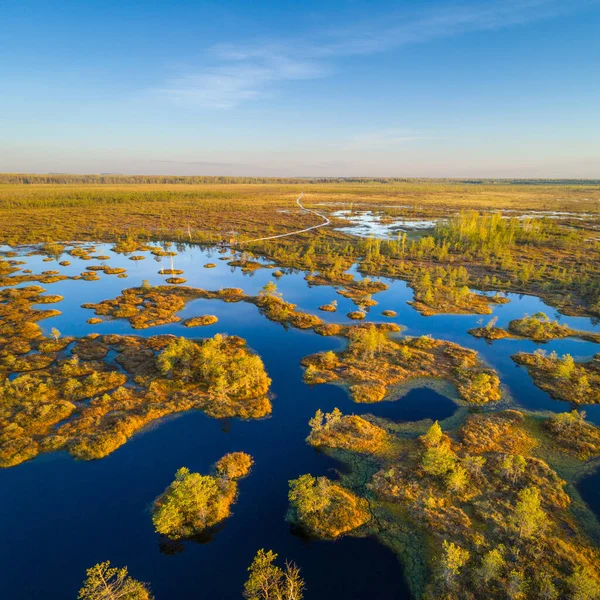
x=65 y=178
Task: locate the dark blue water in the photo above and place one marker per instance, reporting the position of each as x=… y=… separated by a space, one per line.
x=59 y=516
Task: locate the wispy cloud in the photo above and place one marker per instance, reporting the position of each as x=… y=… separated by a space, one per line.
x=238 y=75
x=440 y=21
x=233 y=74
x=384 y=138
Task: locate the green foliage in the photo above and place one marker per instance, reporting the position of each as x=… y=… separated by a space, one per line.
x=111 y=583
x=194 y=502
x=492 y=564
x=574 y=434
x=323 y=508
x=457 y=479
x=433 y=436
x=565 y=367
x=267 y=581
x=584 y=585
x=217 y=364
x=562 y=377
x=438 y=460
x=453 y=560
x=309 y=494
x=529 y=517
x=512 y=466
x=270 y=290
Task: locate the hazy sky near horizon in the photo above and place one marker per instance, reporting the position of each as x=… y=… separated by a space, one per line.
x=499 y=88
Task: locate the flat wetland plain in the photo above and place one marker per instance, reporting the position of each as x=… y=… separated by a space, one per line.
x=142 y=330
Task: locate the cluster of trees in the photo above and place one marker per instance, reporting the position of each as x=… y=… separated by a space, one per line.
x=266 y=581
x=325 y=509
x=104 y=582
x=349 y=432
x=372 y=363
x=539 y=327
x=572 y=431
x=562 y=377
x=493 y=512
x=112 y=178
x=446 y=290
x=519 y=254
x=221 y=365
x=275 y=308
x=194 y=502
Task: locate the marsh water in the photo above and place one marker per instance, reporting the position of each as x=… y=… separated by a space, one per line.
x=59 y=516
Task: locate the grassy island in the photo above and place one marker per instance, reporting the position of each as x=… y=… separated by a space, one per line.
x=87 y=405
x=562 y=377
x=194 y=502
x=538 y=327
x=149 y=306
x=202 y=321
x=373 y=365
x=445 y=291
x=324 y=509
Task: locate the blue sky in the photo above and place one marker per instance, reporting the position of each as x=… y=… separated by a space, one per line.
x=341 y=88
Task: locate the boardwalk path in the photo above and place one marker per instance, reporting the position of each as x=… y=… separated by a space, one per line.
x=326 y=221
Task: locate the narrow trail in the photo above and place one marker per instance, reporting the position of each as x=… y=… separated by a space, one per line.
x=326 y=221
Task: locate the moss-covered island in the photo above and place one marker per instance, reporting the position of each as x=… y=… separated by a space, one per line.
x=374 y=366
x=538 y=327
x=91 y=401
x=149 y=306
x=562 y=377
x=482 y=508
x=193 y=502
x=325 y=509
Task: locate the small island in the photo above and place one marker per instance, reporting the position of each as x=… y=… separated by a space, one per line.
x=562 y=377
x=324 y=509
x=374 y=366
x=538 y=328
x=194 y=502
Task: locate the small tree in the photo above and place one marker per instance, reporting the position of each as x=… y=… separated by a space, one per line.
x=453 y=560
x=457 y=479
x=333 y=417
x=491 y=564
x=55 y=333
x=111 y=583
x=515 y=588
x=267 y=581
x=513 y=466
x=565 y=368
x=545 y=586
x=438 y=460
x=433 y=436
x=316 y=423
x=269 y=290
x=529 y=516
x=474 y=464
